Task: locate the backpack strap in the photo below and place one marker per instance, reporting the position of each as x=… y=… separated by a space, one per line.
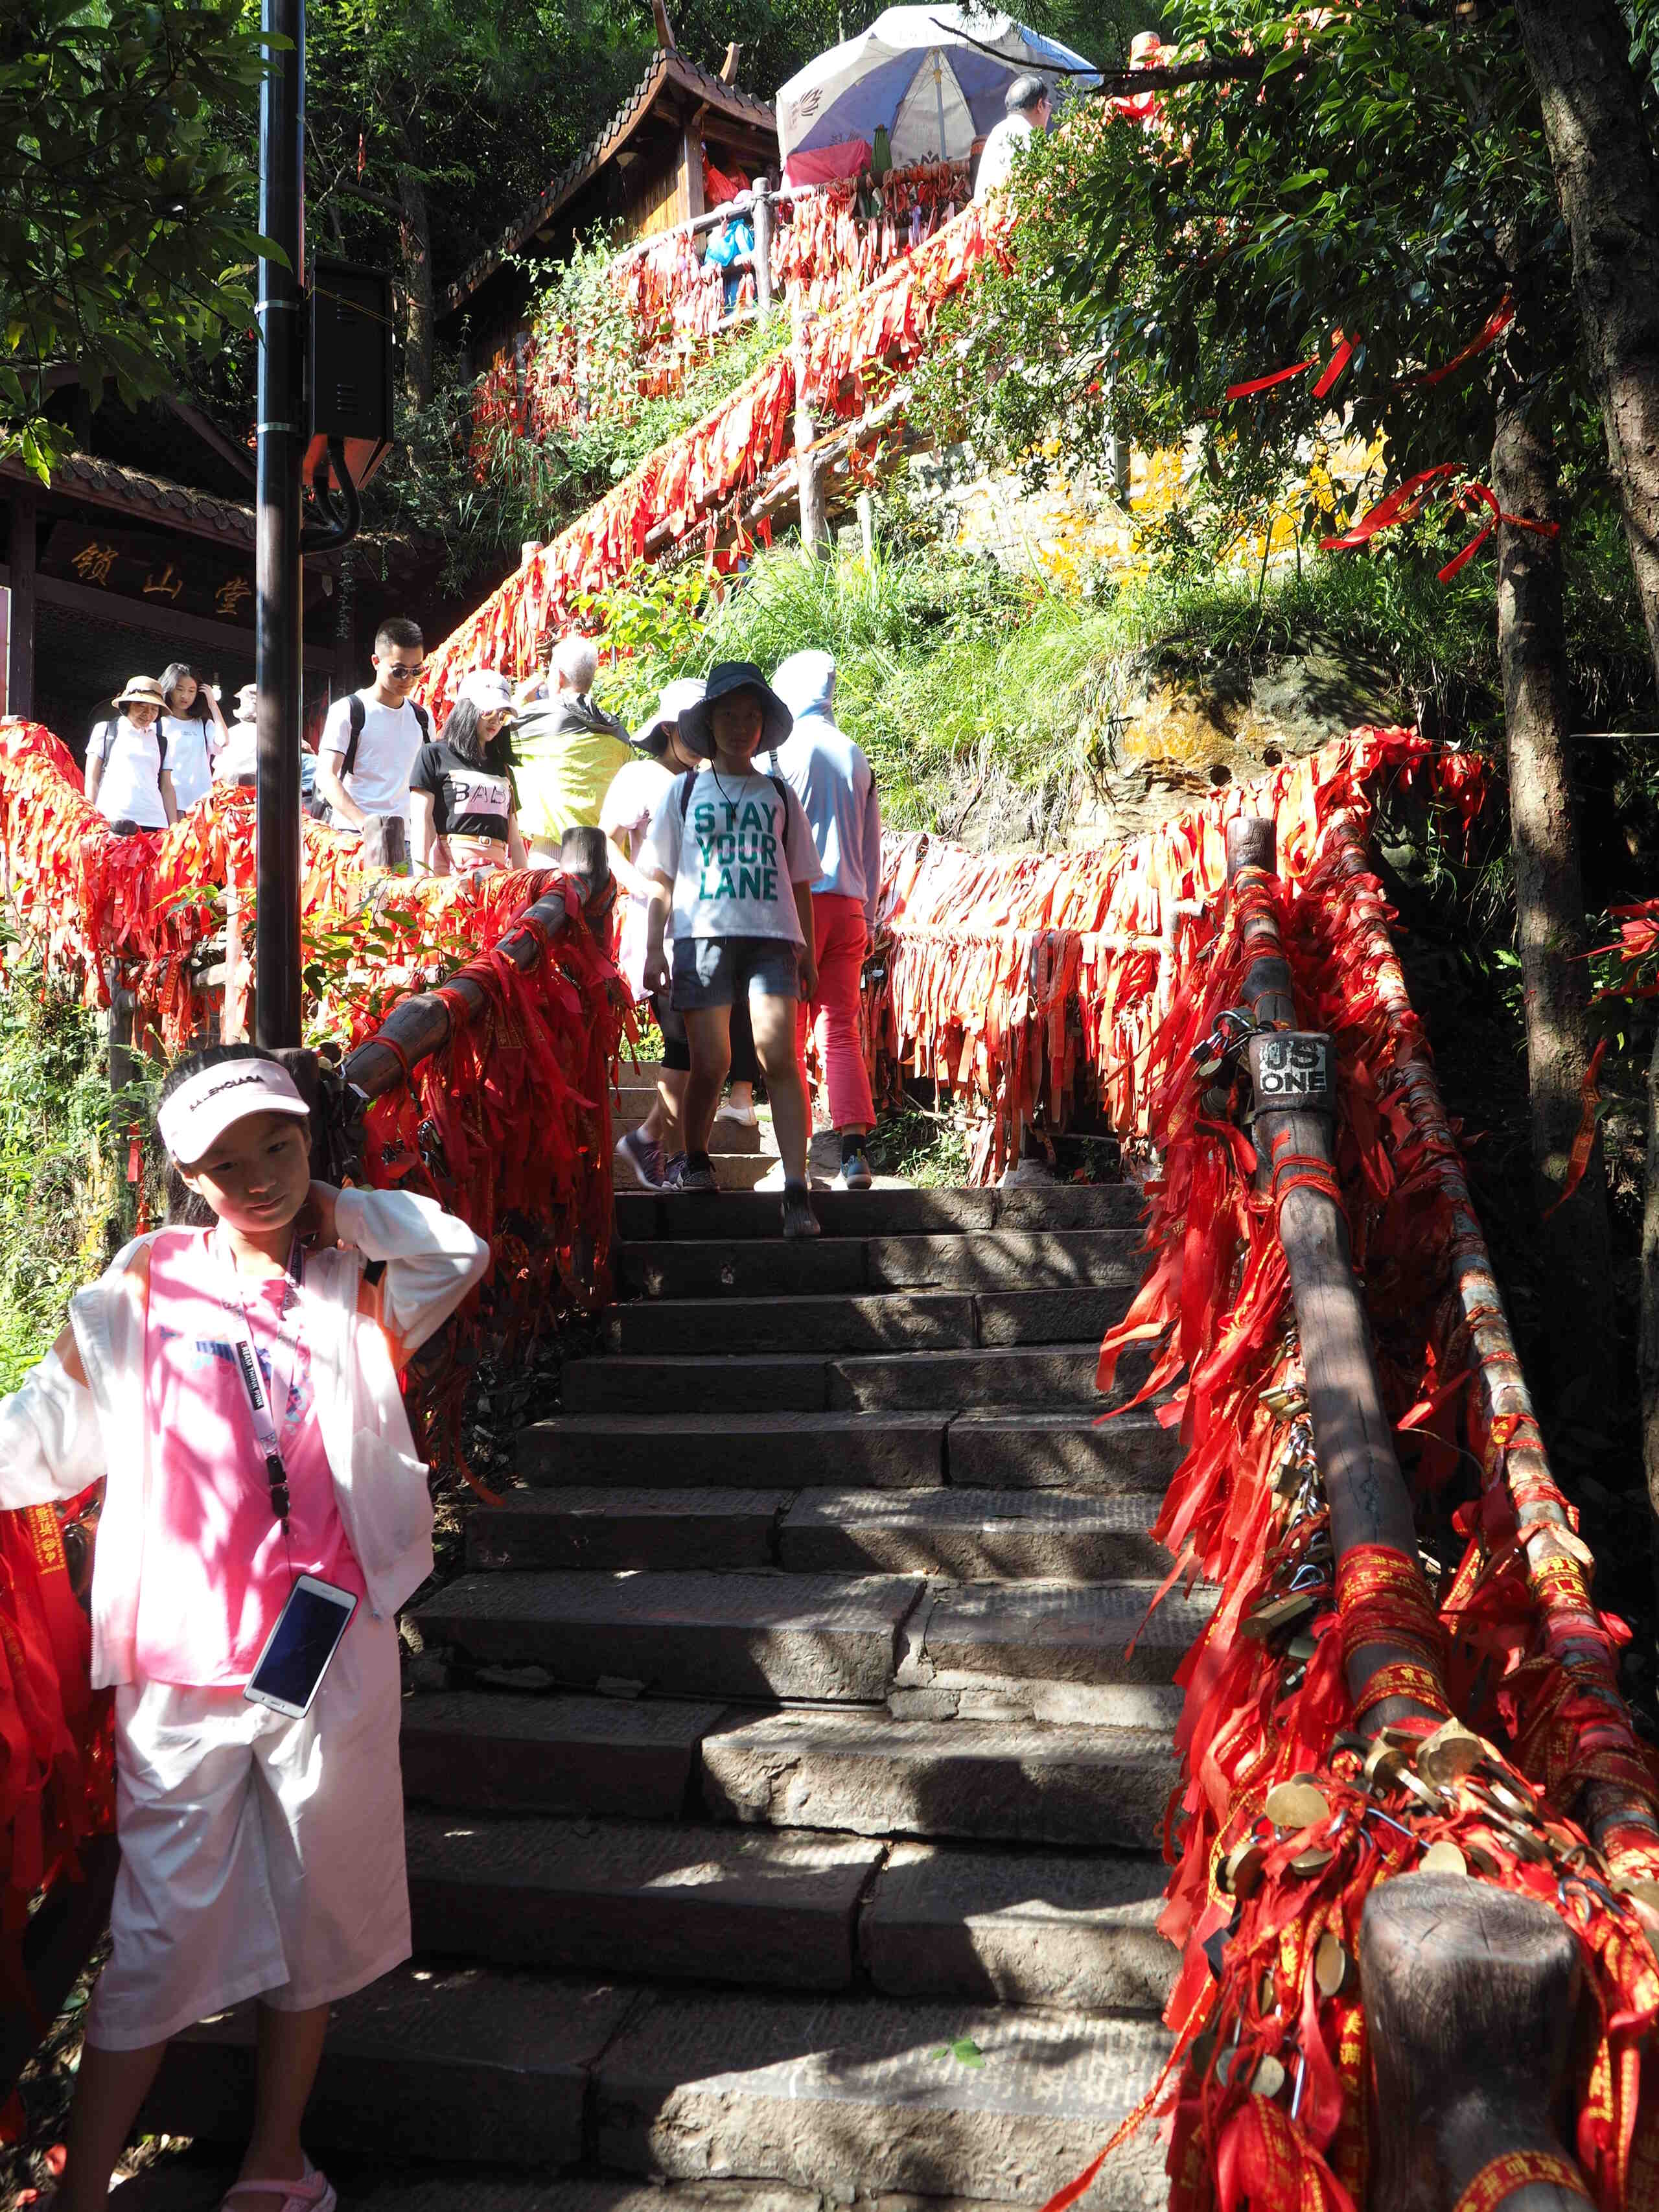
x=424 y=720
x=359 y=715
x=688 y=776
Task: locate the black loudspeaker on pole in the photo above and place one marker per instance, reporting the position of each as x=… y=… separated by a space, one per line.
x=281 y=434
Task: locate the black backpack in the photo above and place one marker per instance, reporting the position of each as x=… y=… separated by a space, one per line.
x=360 y=715
x=777 y=783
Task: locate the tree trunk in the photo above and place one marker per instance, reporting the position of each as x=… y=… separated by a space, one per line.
x=1549 y=902
x=1609 y=185
x=414 y=233
x=1647 y=1356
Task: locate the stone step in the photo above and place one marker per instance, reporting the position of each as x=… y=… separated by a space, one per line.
x=761 y=1266
x=626 y=1897
x=616 y=1528
x=489 y=1750
x=700 y=1635
x=896 y=1212
x=965 y=1535
x=971 y=1535
x=805 y=1381
x=193 y=2182
x=905 y=1320
x=992 y=1781
x=1073 y=1931
x=1057 y=1632
x=1032 y=1373
x=854 y=2096
x=463 y=2064
x=999 y=1448
x=900 y=1451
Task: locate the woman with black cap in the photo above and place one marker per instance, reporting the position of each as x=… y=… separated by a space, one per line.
x=731 y=858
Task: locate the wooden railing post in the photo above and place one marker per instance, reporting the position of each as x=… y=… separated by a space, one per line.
x=763 y=253
x=1472 y=2000
x=808 y=485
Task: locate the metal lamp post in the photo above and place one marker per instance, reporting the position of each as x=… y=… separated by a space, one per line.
x=282 y=435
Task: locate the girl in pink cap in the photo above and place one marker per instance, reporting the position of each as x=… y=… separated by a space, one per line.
x=254 y=1549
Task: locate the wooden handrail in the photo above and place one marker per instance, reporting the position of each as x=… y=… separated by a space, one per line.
x=1471 y=1991
x=421 y=1025
x=1353 y=1436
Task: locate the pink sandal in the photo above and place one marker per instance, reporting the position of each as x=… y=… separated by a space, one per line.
x=312 y=2192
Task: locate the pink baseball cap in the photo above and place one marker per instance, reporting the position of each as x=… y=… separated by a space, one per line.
x=216 y=1097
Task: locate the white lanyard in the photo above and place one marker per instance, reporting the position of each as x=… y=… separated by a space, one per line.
x=253 y=1380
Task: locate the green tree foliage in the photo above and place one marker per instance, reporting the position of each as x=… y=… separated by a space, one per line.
x=1385 y=177
x=126 y=238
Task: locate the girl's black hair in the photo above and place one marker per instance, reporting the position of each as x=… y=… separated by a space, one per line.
x=460 y=733
x=171 y=675
x=183 y=1205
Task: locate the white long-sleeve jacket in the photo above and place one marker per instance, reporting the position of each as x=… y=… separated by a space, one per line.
x=56 y=1435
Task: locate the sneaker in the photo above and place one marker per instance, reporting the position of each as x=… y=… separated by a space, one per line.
x=637 y=1152
x=798 y=1218
x=695 y=1175
x=744 y=1117
x=854 y=1169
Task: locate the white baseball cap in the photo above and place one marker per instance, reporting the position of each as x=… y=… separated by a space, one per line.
x=488 y=690
x=217 y=1096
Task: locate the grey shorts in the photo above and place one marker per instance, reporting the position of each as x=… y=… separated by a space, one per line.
x=715 y=971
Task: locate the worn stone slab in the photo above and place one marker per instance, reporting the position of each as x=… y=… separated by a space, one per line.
x=1064 y=1634
x=626 y=1897
x=902 y=1320
x=756 y=1382
x=887 y=1213
x=1073 y=1314
x=1076 y=1932
x=467 y=2194
x=1007 y=1259
x=890 y=1451
x=740 y=1635
x=1015 y=1782
x=745 y=1268
x=1075 y=1449
x=851 y=2096
x=626 y=1527
x=462 y=2064
x=1029 y=1374
x=1070 y=1205
x=972 y=1535
x=488 y=1749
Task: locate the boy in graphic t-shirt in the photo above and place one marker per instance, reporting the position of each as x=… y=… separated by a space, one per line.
x=391 y=732
x=731 y=856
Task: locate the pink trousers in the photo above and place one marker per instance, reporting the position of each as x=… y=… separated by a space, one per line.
x=838 y=926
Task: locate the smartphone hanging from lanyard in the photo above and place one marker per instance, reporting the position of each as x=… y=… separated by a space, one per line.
x=290 y=1667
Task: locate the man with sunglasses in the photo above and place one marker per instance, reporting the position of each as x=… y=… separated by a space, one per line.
x=370 y=738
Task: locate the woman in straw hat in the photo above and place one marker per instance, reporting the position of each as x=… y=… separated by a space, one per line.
x=127 y=778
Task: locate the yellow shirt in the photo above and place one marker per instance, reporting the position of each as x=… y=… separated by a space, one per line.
x=565 y=766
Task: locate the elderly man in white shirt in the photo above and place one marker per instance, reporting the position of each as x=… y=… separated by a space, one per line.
x=1027 y=109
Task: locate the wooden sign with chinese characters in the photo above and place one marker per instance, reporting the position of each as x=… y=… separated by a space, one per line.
x=183 y=572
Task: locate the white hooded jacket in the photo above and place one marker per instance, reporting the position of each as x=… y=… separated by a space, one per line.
x=58 y=1437
x=835 y=782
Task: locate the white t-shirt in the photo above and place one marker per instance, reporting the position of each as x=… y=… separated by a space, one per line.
x=735 y=858
x=131 y=787
x=239 y=755
x=391 y=736
x=628 y=804
x=1002 y=150
x=188 y=761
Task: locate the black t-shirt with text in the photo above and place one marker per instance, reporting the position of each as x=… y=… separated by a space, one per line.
x=466 y=801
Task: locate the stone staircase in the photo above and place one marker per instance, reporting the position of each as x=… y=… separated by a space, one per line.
x=787 y=1817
